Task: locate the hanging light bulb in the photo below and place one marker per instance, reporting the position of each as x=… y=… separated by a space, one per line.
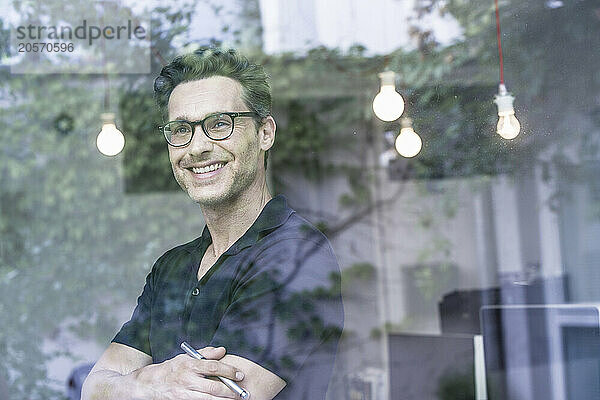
x=408 y=143
x=110 y=140
x=508 y=126
x=388 y=105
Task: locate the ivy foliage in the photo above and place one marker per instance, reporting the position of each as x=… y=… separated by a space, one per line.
x=146 y=157
x=309 y=129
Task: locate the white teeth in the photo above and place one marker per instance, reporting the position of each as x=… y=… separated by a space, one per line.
x=208 y=168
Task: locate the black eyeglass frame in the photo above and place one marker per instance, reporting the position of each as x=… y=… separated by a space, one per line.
x=194 y=124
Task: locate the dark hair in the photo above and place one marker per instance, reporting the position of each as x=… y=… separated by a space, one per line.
x=212 y=61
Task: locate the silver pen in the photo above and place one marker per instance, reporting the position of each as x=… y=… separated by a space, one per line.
x=244 y=394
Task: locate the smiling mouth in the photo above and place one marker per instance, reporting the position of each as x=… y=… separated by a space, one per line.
x=208 y=168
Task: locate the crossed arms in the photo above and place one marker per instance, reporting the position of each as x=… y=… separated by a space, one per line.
x=124 y=373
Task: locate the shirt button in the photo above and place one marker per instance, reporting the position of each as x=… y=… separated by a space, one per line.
x=195 y=292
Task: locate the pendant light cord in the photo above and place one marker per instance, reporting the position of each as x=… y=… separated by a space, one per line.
x=106 y=92
x=104 y=69
x=498 y=35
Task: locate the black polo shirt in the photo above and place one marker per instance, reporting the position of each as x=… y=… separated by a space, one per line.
x=273 y=297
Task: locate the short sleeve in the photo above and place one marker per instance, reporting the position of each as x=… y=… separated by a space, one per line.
x=287 y=315
x=136 y=332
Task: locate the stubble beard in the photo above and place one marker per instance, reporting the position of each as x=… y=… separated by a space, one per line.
x=229 y=193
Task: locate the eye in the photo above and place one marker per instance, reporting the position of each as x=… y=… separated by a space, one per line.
x=180 y=129
x=220 y=123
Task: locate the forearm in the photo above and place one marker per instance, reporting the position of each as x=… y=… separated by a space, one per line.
x=260 y=382
x=110 y=385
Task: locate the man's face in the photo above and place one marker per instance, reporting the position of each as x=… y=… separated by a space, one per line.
x=214 y=172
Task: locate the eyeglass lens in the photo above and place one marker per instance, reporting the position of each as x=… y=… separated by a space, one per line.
x=216 y=127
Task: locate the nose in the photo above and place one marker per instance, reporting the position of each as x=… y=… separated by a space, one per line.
x=200 y=142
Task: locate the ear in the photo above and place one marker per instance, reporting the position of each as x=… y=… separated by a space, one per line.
x=266 y=133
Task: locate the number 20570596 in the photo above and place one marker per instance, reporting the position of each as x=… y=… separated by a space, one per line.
x=41 y=47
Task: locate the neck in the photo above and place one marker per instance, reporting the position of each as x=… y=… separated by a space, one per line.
x=228 y=222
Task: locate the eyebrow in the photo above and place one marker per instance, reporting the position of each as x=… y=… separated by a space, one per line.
x=188 y=118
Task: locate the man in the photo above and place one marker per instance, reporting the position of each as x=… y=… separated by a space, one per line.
x=260 y=283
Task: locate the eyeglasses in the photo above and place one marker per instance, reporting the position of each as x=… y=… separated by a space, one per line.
x=218 y=126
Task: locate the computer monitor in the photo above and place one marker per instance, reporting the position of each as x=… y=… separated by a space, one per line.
x=549 y=352
x=431 y=367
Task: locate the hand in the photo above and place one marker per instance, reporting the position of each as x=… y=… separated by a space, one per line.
x=183 y=377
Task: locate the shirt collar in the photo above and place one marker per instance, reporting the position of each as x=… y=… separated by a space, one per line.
x=273 y=215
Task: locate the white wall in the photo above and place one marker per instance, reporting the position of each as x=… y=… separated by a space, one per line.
x=381 y=26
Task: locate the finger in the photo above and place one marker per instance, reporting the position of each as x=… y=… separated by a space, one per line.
x=213 y=387
x=217 y=368
x=213 y=353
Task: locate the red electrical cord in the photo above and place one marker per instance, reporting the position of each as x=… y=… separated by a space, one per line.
x=499 y=43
